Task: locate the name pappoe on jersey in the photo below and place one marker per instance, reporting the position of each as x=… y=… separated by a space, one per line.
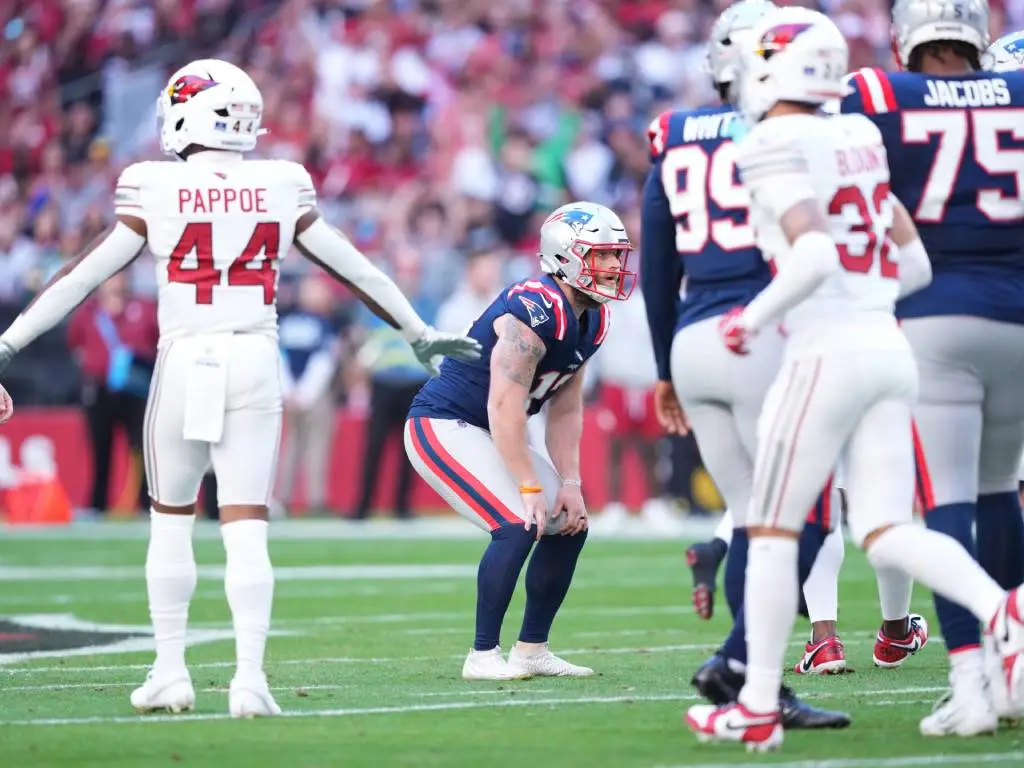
x=226 y=200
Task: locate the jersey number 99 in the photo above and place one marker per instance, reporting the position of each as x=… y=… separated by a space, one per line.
x=693 y=181
x=198 y=237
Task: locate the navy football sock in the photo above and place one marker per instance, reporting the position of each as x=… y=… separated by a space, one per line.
x=496 y=581
x=1000 y=533
x=736 y=570
x=735 y=646
x=959 y=626
x=547 y=581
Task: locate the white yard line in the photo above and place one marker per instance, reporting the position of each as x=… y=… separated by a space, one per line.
x=455 y=705
x=908 y=761
x=82 y=669
x=216 y=572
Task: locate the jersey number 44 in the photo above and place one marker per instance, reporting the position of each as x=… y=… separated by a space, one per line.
x=262 y=249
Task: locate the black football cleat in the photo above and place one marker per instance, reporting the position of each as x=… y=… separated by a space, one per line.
x=797 y=714
x=716 y=682
x=720 y=685
x=704 y=560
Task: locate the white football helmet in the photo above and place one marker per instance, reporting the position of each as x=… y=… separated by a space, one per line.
x=730 y=31
x=1006 y=54
x=793 y=54
x=916 y=22
x=568 y=238
x=210 y=103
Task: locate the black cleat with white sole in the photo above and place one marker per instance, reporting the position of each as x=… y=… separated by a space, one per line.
x=719 y=684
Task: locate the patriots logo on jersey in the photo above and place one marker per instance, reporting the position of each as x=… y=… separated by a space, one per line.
x=777 y=38
x=537 y=315
x=184 y=88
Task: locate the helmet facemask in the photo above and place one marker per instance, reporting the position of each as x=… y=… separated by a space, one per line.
x=600 y=275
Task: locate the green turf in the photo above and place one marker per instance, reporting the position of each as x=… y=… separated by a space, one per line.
x=380 y=658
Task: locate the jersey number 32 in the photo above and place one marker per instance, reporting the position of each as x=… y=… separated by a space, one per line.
x=263 y=246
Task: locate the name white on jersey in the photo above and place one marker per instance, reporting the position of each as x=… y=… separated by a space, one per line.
x=217 y=226
x=841 y=163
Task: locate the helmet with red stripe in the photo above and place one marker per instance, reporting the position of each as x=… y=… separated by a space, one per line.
x=795 y=55
x=918 y=22
x=586 y=245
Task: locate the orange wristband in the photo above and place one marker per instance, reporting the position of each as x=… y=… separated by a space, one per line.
x=530 y=489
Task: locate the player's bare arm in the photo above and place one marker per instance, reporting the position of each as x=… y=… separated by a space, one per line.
x=108 y=253
x=514 y=360
x=563 y=435
x=328 y=248
x=915 y=266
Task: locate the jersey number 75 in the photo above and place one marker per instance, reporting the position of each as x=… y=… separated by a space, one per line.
x=198 y=237
x=983 y=129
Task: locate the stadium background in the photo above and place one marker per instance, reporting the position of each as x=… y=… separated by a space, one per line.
x=437 y=132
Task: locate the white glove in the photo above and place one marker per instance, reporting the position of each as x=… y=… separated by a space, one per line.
x=433 y=345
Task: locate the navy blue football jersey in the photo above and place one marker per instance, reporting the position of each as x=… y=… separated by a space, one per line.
x=695 y=224
x=461 y=391
x=956 y=157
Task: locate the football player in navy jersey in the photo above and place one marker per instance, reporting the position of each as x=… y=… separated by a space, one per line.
x=466 y=433
x=695 y=223
x=955 y=144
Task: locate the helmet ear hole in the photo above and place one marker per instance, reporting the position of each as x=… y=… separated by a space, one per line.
x=179 y=124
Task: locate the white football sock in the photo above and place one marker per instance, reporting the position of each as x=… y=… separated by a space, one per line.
x=771 y=605
x=170 y=584
x=724 y=529
x=821 y=590
x=894 y=591
x=249 y=585
x=940 y=563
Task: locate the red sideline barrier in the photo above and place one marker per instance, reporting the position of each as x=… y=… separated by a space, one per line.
x=65 y=430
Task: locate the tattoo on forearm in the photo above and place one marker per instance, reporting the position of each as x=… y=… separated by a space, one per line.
x=516 y=353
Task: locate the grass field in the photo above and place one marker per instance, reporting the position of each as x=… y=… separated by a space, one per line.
x=370 y=637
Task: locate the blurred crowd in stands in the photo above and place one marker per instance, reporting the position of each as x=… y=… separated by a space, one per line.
x=438 y=132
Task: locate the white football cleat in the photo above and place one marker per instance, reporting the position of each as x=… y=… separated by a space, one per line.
x=1005 y=709
x=165 y=692
x=489 y=665
x=543 y=663
x=965 y=710
x=250 y=697
x=734 y=722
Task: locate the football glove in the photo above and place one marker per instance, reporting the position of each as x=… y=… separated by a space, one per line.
x=433 y=345
x=733 y=332
x=7 y=353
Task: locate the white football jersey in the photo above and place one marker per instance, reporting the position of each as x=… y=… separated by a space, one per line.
x=841 y=163
x=217 y=226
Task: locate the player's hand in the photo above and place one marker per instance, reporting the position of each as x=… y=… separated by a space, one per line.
x=669 y=410
x=6 y=405
x=733 y=332
x=570 y=502
x=434 y=344
x=536 y=507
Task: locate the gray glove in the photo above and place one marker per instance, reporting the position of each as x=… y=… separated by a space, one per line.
x=7 y=353
x=433 y=345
